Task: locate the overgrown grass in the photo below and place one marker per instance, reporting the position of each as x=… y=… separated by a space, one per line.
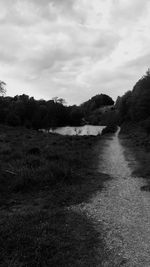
x=41 y=175
x=44 y=239
x=138 y=141
x=33 y=160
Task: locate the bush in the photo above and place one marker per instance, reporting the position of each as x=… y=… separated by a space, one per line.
x=13 y=119
x=34 y=151
x=112 y=128
x=146 y=125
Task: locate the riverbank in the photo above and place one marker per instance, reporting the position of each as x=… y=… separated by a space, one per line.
x=41 y=176
x=138 y=141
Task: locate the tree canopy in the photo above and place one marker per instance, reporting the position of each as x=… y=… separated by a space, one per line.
x=135 y=105
x=23 y=110
x=2 y=87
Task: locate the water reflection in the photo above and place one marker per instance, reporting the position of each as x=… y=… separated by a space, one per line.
x=79 y=130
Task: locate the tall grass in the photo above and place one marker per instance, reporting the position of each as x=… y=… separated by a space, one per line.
x=41 y=175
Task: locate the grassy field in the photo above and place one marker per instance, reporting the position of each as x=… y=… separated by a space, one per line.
x=41 y=175
x=138 y=141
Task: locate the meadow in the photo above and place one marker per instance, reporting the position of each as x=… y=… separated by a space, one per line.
x=41 y=176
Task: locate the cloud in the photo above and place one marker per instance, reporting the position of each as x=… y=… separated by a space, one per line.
x=128 y=12
x=25 y=12
x=73 y=48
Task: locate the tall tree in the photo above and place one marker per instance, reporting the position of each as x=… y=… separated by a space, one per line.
x=2 y=87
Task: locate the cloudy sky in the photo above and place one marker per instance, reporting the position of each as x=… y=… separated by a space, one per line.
x=73 y=48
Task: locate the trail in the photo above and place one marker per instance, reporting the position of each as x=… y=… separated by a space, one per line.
x=123 y=209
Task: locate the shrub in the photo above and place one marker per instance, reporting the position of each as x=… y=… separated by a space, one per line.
x=34 y=151
x=146 y=125
x=13 y=119
x=112 y=128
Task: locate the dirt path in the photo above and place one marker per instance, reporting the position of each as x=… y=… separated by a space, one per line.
x=123 y=210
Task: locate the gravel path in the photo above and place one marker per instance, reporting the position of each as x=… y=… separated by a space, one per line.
x=123 y=210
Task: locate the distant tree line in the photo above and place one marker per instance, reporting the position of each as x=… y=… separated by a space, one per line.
x=23 y=110
x=134 y=106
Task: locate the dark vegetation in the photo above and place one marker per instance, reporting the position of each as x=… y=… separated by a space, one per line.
x=37 y=114
x=134 y=117
x=27 y=156
x=93 y=109
x=41 y=177
x=134 y=111
x=26 y=111
x=111 y=128
x=134 y=106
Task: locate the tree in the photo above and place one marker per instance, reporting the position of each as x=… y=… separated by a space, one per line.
x=135 y=105
x=13 y=119
x=2 y=87
x=148 y=72
x=60 y=100
x=75 y=115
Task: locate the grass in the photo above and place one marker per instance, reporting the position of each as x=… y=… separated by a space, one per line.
x=41 y=175
x=44 y=239
x=138 y=141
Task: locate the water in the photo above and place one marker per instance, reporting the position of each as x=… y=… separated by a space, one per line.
x=80 y=130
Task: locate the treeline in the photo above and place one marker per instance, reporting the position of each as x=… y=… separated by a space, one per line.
x=134 y=106
x=23 y=110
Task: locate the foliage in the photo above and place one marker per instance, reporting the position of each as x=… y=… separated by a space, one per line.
x=96 y=102
x=92 y=109
x=2 y=87
x=134 y=105
x=23 y=110
x=111 y=128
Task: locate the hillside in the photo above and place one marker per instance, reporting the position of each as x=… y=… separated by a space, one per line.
x=98 y=109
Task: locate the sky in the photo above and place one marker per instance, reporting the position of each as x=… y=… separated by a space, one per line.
x=73 y=49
